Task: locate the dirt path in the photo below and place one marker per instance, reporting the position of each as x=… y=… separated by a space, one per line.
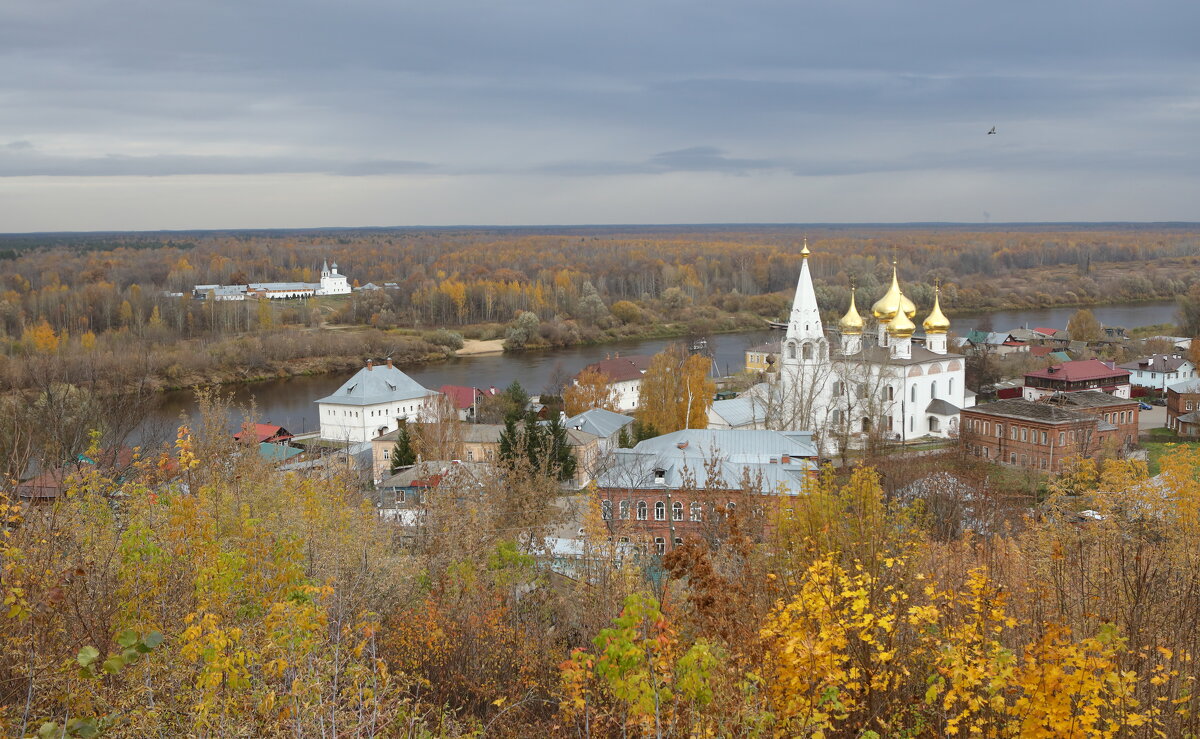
x=472 y=347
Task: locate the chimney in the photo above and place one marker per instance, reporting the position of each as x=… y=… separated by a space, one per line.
x=390 y=363
x=787 y=459
x=370 y=364
x=681 y=445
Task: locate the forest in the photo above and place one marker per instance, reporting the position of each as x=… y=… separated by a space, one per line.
x=86 y=297
x=208 y=594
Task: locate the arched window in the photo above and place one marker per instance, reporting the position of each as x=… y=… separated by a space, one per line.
x=696 y=513
x=606 y=510
x=660 y=511
x=934 y=426
x=624 y=510
x=950 y=386
x=914 y=394
x=807 y=352
x=660 y=545
x=642 y=510
x=678 y=542
x=891 y=393
x=677 y=511
x=791 y=351
x=933 y=389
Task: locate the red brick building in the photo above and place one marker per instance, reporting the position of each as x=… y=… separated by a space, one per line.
x=683 y=484
x=1041 y=434
x=1183 y=408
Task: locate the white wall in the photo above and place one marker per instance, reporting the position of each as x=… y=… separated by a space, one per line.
x=358 y=423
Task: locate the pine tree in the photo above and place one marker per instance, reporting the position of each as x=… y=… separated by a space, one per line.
x=402 y=453
x=560 y=457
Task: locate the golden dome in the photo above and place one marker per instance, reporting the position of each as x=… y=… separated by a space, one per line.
x=893 y=301
x=851 y=323
x=901 y=326
x=937 y=323
x=805 y=252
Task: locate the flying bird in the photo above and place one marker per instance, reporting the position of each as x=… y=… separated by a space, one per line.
x=992 y=131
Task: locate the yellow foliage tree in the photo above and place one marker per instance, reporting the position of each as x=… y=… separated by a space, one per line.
x=676 y=391
x=42 y=337
x=592 y=389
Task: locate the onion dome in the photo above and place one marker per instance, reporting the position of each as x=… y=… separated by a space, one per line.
x=901 y=326
x=937 y=323
x=805 y=252
x=893 y=301
x=851 y=323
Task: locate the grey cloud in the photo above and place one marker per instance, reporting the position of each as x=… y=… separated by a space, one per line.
x=26 y=164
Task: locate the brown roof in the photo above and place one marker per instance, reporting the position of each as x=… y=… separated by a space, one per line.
x=1028 y=410
x=1080 y=370
x=620 y=369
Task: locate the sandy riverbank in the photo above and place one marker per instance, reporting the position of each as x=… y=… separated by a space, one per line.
x=472 y=347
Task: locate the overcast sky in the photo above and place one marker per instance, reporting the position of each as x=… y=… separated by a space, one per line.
x=146 y=114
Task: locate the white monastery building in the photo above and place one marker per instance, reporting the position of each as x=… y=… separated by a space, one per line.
x=332 y=283
x=372 y=402
x=849 y=384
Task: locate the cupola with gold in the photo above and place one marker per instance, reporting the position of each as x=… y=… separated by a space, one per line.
x=900 y=330
x=851 y=326
x=893 y=301
x=936 y=325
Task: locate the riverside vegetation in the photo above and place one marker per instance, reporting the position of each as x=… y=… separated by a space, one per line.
x=102 y=304
x=915 y=598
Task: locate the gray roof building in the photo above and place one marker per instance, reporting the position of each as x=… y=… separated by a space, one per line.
x=375 y=385
x=598 y=421
x=770 y=461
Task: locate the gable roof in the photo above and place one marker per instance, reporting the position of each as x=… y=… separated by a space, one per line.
x=939 y=407
x=1187 y=386
x=1029 y=410
x=621 y=369
x=376 y=385
x=598 y=421
x=1080 y=370
x=461 y=396
x=1156 y=363
x=746 y=410
x=261 y=432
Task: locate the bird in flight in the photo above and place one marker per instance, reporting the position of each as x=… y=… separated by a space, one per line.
x=992 y=131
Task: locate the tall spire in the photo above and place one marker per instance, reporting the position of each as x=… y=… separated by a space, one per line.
x=804 y=323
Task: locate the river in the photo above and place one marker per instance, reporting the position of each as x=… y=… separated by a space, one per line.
x=289 y=402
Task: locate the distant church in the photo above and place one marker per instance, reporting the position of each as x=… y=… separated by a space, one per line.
x=332 y=283
x=847 y=385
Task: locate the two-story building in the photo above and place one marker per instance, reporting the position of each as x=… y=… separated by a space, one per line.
x=678 y=485
x=1042 y=434
x=1159 y=371
x=1077 y=376
x=372 y=402
x=625 y=376
x=764 y=357
x=1183 y=407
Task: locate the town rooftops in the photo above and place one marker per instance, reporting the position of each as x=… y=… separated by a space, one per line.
x=622 y=369
x=1156 y=363
x=464 y=397
x=373 y=385
x=1029 y=410
x=1081 y=370
x=598 y=421
x=746 y=410
x=261 y=432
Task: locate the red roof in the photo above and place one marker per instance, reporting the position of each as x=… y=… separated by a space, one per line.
x=1041 y=351
x=620 y=369
x=263 y=432
x=461 y=396
x=1079 y=371
x=1046 y=331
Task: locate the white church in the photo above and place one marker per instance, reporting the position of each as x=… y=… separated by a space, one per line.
x=848 y=384
x=332 y=283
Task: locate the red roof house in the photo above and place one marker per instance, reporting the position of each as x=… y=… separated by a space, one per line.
x=622 y=369
x=1076 y=376
x=263 y=432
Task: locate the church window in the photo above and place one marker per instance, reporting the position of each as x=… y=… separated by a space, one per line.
x=933 y=389
x=914 y=393
x=808 y=352
x=890 y=423
x=891 y=393
x=837 y=416
x=824 y=350
x=950 y=386
x=791 y=351
x=934 y=426
x=837 y=388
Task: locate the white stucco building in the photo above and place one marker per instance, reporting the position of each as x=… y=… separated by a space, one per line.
x=332 y=283
x=625 y=378
x=372 y=402
x=847 y=384
x=1160 y=371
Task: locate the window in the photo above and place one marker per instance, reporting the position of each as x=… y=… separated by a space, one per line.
x=837 y=388
x=1062 y=438
x=934 y=426
x=891 y=393
x=1012 y=432
x=730 y=508
x=606 y=510
x=807 y=352
x=385 y=453
x=1187 y=405
x=1043 y=438
x=642 y=510
x=1024 y=461
x=950 y=386
x=914 y=393
x=677 y=511
x=791 y=351
x=660 y=511
x=624 y=510
x=1012 y=458
x=696 y=512
x=678 y=542
x=470 y=456
x=987 y=452
x=660 y=545
x=1024 y=434
x=933 y=389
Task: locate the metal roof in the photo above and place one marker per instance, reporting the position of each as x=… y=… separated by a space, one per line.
x=377 y=385
x=598 y=421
